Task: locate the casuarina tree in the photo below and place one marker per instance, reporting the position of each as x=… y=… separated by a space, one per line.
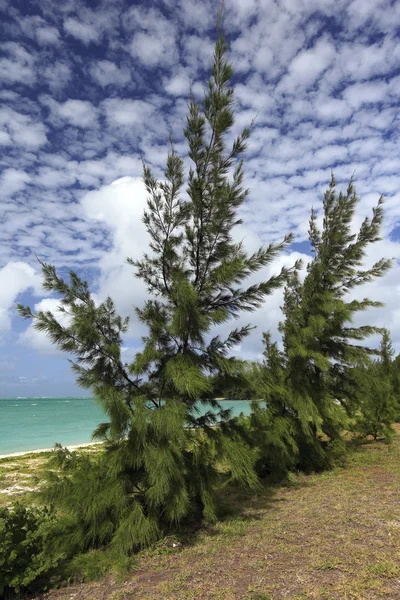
x=379 y=402
x=165 y=433
x=312 y=386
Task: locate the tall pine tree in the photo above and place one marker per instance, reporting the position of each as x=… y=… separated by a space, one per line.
x=156 y=467
x=316 y=393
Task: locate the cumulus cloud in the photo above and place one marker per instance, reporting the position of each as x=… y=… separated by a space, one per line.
x=333 y=109
x=79 y=113
x=179 y=84
x=119 y=206
x=154 y=41
x=123 y=112
x=15 y=277
x=365 y=93
x=57 y=75
x=12 y=181
x=17 y=66
x=38 y=340
x=308 y=66
x=107 y=88
x=105 y=73
x=86 y=33
x=21 y=129
x=48 y=35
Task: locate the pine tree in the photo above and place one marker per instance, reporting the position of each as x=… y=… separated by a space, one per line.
x=396 y=386
x=321 y=343
x=378 y=401
x=155 y=467
x=272 y=427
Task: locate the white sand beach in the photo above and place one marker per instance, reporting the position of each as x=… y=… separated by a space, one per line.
x=75 y=447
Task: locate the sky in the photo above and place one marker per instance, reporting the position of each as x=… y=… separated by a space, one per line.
x=90 y=89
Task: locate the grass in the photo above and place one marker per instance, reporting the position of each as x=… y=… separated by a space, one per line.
x=20 y=476
x=330 y=536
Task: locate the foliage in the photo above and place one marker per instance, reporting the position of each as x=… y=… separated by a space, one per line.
x=156 y=468
x=93 y=565
x=164 y=451
x=309 y=386
x=377 y=391
x=271 y=429
x=24 y=559
x=396 y=385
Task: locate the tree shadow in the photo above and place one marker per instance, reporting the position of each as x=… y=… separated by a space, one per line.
x=236 y=506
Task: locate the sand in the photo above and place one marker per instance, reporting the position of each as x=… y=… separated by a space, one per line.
x=15 y=454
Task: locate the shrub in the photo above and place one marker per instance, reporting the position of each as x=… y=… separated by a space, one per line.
x=24 y=559
x=95 y=564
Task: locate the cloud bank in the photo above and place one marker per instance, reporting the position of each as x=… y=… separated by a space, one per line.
x=87 y=94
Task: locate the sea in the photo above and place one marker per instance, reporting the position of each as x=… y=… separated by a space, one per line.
x=28 y=424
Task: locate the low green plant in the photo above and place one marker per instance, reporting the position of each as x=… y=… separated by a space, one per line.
x=25 y=562
x=92 y=565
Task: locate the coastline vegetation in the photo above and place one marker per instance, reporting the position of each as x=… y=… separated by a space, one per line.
x=321 y=389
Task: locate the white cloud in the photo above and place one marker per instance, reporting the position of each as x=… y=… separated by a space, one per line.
x=330 y=155
x=12 y=181
x=105 y=73
x=151 y=50
x=197 y=15
x=21 y=129
x=38 y=340
x=197 y=51
x=79 y=113
x=321 y=101
x=359 y=61
x=86 y=33
x=123 y=112
x=179 y=84
x=264 y=59
x=365 y=93
x=15 y=277
x=19 y=66
x=57 y=75
x=308 y=66
x=361 y=11
x=333 y=109
x=5 y=139
x=154 y=40
x=48 y=35
x=119 y=206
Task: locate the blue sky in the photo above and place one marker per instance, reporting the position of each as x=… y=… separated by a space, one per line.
x=88 y=89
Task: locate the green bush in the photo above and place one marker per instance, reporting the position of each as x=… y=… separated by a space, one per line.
x=94 y=564
x=25 y=561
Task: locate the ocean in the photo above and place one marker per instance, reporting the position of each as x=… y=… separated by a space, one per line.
x=34 y=423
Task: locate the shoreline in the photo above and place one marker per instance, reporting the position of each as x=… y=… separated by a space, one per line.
x=41 y=450
x=72 y=446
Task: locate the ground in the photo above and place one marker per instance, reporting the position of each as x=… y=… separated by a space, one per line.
x=330 y=536
x=20 y=476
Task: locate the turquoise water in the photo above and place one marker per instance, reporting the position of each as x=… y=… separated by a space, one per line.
x=34 y=423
